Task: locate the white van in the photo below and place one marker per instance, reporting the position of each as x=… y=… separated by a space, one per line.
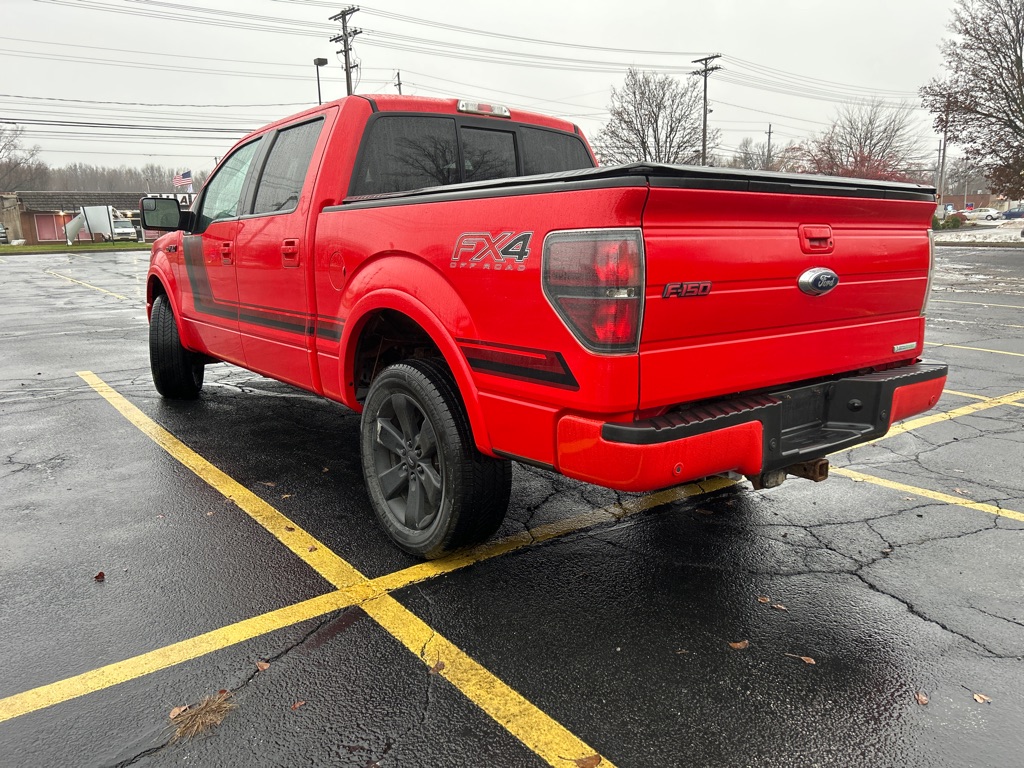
x=124 y=230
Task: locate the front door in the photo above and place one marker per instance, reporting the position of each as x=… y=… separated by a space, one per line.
x=272 y=264
x=210 y=306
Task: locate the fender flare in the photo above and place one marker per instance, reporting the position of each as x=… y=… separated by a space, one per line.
x=160 y=271
x=422 y=315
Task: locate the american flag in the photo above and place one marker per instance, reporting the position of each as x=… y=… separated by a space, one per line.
x=183 y=179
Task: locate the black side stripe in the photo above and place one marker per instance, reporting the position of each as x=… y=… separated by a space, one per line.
x=205 y=302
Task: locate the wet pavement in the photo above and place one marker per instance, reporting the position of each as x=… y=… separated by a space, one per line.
x=596 y=623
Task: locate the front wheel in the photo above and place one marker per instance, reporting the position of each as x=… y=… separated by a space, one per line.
x=177 y=373
x=432 y=490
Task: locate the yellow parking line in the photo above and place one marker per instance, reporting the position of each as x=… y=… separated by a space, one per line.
x=168 y=656
x=549 y=739
x=355 y=595
x=968 y=395
x=965 y=410
x=974 y=349
x=974 y=303
x=87 y=285
x=934 y=495
x=359 y=593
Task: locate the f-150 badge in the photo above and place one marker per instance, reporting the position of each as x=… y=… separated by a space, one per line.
x=506 y=251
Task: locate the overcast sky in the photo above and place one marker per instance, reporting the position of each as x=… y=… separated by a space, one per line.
x=196 y=75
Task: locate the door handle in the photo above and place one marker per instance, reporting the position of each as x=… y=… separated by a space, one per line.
x=226 y=256
x=290 y=252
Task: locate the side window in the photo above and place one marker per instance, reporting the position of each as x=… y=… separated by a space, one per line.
x=550 y=151
x=285 y=170
x=404 y=152
x=488 y=154
x=222 y=196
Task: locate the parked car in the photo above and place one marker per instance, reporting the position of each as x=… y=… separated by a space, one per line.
x=3 y=235
x=124 y=230
x=988 y=214
x=1014 y=213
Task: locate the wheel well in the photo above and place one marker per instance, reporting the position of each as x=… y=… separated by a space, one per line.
x=156 y=288
x=388 y=337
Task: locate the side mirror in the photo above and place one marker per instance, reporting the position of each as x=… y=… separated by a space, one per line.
x=160 y=213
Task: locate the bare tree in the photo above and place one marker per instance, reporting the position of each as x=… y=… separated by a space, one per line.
x=963 y=178
x=654 y=118
x=757 y=157
x=19 y=168
x=869 y=141
x=980 y=102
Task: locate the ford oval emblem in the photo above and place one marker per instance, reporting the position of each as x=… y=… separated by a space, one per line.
x=818 y=281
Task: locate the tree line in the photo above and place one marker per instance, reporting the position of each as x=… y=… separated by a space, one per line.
x=22 y=170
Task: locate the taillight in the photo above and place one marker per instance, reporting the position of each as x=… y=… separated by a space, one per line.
x=931 y=271
x=594 y=279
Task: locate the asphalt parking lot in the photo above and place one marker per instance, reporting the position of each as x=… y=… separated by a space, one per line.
x=872 y=620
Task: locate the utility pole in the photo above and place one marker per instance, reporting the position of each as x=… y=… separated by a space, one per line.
x=768 y=158
x=704 y=72
x=942 y=153
x=399 y=74
x=345 y=38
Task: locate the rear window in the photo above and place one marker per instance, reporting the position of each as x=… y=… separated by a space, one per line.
x=488 y=154
x=550 y=151
x=404 y=152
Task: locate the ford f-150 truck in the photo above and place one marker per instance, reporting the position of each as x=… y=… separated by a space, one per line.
x=470 y=280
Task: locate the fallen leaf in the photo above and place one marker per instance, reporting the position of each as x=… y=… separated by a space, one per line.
x=741 y=645
x=922 y=698
x=682 y=650
x=262 y=666
x=210 y=513
x=178 y=710
x=289 y=527
x=590 y=761
x=779 y=607
x=436 y=669
x=764 y=599
x=961 y=491
x=297 y=704
x=804 y=659
x=981 y=698
x=268 y=483
x=886 y=551
x=286 y=496
x=100 y=576
x=311 y=548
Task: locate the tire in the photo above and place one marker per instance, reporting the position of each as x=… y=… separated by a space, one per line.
x=177 y=373
x=989 y=217
x=431 y=489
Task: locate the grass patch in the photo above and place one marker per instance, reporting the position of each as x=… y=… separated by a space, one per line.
x=76 y=248
x=189 y=722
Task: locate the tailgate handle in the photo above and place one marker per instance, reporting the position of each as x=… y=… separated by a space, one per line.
x=816 y=238
x=290 y=252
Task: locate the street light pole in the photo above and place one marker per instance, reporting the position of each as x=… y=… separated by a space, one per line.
x=319 y=63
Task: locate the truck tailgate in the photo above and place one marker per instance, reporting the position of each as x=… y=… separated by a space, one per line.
x=725 y=312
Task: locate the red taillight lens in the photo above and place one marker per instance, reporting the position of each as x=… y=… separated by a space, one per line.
x=594 y=280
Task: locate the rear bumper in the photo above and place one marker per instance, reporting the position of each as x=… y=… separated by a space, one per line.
x=749 y=435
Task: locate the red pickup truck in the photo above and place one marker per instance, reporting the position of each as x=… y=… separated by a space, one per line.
x=468 y=279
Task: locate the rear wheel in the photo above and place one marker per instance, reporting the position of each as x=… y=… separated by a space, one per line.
x=177 y=373
x=432 y=490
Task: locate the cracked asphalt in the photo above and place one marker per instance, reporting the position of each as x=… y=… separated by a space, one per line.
x=609 y=614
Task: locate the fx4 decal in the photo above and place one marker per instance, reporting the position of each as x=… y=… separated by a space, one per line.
x=684 y=290
x=507 y=251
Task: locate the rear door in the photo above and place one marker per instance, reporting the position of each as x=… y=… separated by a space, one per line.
x=273 y=252
x=211 y=308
